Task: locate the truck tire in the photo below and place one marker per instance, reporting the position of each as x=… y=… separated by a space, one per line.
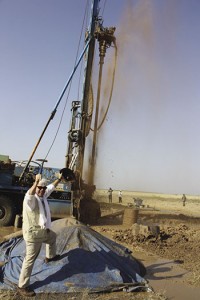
x=7 y=211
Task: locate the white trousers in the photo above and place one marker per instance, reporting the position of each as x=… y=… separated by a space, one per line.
x=32 y=251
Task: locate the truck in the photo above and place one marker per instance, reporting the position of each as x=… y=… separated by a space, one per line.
x=74 y=198
x=12 y=189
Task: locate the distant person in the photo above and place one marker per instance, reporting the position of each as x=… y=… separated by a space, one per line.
x=37 y=229
x=184 y=199
x=110 y=195
x=120 y=196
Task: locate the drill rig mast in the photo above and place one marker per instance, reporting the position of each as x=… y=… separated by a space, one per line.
x=82 y=112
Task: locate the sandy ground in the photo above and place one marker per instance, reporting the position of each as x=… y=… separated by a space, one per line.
x=168 y=245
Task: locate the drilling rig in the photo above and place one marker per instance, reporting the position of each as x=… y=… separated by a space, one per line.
x=85 y=208
x=80 y=191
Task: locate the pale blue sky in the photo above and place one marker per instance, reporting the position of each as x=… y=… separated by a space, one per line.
x=150 y=140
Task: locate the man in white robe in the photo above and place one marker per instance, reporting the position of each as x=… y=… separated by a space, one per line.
x=37 y=229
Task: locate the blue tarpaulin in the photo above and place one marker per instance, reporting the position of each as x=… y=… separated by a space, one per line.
x=88 y=260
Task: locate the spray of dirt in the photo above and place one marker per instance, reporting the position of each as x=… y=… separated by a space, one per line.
x=137 y=66
x=136 y=44
x=134 y=36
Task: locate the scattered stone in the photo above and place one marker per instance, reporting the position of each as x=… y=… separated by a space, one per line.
x=145 y=230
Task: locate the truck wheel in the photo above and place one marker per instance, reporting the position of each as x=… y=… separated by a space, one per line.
x=7 y=211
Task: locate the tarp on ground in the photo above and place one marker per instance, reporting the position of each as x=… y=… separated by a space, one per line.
x=88 y=261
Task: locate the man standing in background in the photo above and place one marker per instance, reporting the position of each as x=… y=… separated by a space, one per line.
x=184 y=199
x=110 y=195
x=120 y=196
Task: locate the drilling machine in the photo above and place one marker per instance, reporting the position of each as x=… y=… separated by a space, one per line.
x=16 y=179
x=85 y=208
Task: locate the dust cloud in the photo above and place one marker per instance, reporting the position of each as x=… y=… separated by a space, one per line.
x=135 y=39
x=146 y=42
x=137 y=68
